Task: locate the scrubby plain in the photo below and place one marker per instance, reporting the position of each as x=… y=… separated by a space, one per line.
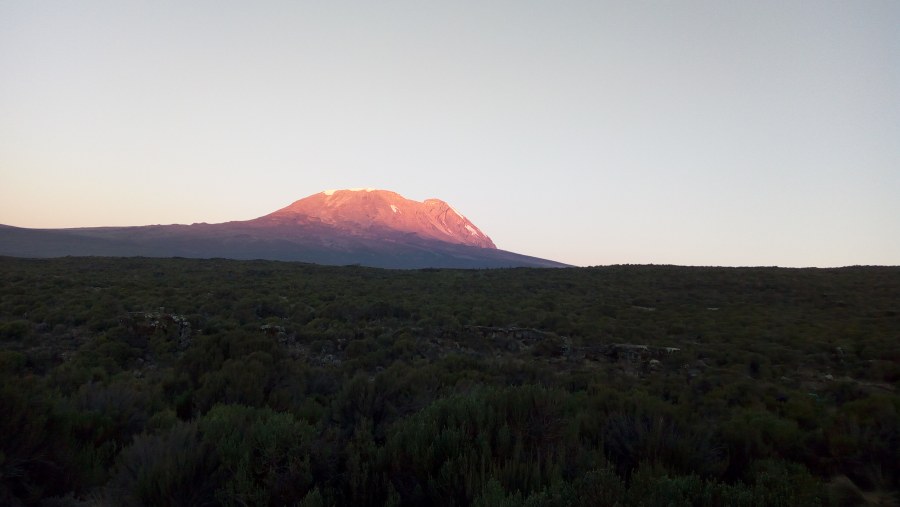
x=136 y=381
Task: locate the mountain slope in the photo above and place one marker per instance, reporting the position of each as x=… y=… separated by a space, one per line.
x=369 y=227
x=380 y=214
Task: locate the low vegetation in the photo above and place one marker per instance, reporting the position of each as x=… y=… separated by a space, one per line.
x=212 y=382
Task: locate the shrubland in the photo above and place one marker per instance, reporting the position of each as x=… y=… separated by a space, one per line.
x=136 y=381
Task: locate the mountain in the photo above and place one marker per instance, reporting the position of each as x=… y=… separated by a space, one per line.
x=369 y=227
x=381 y=214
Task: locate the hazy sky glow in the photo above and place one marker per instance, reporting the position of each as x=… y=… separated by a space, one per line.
x=699 y=133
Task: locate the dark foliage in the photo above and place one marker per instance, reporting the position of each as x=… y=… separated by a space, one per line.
x=211 y=382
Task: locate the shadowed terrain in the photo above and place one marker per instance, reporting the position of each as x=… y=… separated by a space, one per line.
x=181 y=381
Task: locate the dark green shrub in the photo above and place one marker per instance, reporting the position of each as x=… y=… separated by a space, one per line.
x=264 y=454
x=174 y=468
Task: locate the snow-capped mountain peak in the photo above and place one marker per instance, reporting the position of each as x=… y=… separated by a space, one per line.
x=381 y=213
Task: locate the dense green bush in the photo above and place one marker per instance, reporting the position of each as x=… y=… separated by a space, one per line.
x=264 y=455
x=173 y=468
x=214 y=382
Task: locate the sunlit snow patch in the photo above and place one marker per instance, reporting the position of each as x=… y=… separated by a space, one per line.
x=460 y=215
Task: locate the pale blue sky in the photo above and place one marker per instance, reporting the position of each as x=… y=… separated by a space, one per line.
x=699 y=133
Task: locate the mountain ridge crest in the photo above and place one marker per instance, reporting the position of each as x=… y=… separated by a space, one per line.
x=365 y=211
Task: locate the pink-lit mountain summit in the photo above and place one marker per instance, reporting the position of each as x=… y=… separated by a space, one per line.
x=382 y=213
x=368 y=227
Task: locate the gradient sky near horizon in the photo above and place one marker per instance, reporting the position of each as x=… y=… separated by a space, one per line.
x=588 y=132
